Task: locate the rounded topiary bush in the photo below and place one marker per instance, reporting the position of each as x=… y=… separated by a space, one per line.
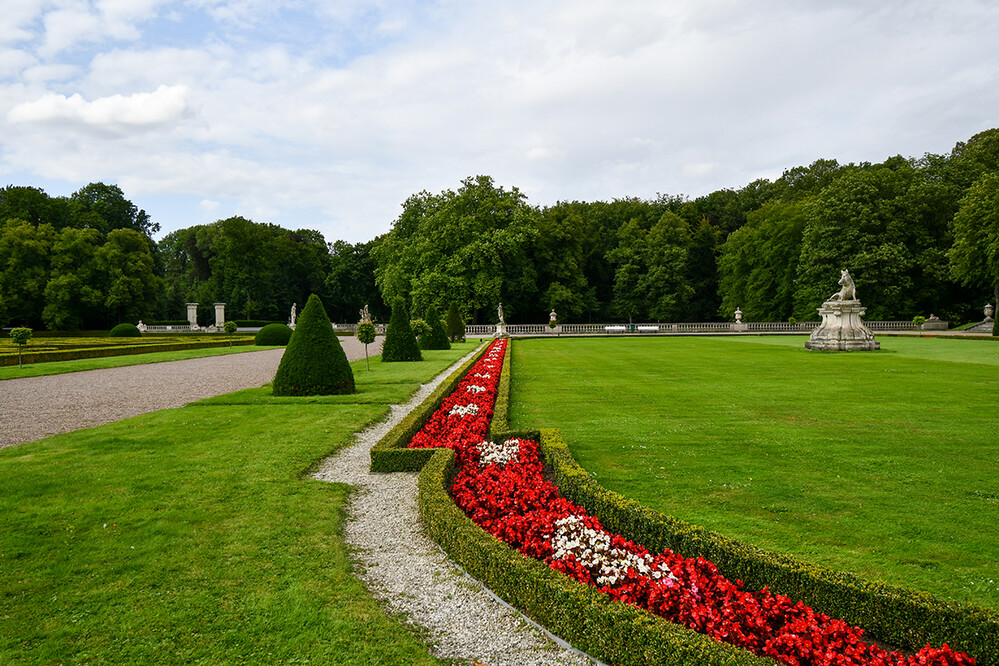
x=125 y=331
x=436 y=338
x=314 y=362
x=273 y=335
x=400 y=342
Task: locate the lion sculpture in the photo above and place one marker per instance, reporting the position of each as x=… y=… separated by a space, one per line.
x=849 y=290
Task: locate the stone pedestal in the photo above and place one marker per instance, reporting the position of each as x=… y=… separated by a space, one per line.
x=219 y=315
x=501 y=330
x=842 y=328
x=192 y=314
x=738 y=327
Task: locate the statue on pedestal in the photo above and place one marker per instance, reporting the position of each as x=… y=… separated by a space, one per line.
x=294 y=312
x=365 y=315
x=842 y=328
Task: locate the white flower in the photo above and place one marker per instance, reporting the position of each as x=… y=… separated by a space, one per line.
x=464 y=410
x=485 y=376
x=475 y=389
x=498 y=453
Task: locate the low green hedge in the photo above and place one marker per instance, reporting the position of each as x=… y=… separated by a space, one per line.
x=613 y=632
x=501 y=409
x=101 y=352
x=892 y=614
x=390 y=453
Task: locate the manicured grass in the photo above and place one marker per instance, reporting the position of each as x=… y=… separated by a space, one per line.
x=193 y=535
x=885 y=464
x=61 y=367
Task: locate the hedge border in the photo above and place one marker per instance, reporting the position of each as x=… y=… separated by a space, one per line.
x=896 y=615
x=501 y=408
x=102 y=352
x=591 y=621
x=390 y=453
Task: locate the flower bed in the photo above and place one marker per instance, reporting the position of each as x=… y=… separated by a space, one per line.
x=500 y=486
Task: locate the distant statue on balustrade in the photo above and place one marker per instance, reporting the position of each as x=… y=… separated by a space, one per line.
x=365 y=315
x=294 y=315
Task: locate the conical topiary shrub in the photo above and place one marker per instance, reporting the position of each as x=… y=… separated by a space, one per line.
x=437 y=337
x=455 y=324
x=400 y=343
x=314 y=362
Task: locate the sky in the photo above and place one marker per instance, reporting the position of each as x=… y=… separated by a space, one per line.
x=329 y=114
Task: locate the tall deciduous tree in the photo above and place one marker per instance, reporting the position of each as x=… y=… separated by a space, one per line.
x=974 y=257
x=73 y=294
x=24 y=270
x=131 y=286
x=112 y=210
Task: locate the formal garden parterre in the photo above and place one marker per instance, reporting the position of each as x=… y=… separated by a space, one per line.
x=501 y=485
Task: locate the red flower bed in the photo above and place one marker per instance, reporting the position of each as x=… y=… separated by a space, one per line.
x=500 y=486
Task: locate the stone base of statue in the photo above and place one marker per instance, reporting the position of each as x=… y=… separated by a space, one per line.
x=501 y=330
x=842 y=329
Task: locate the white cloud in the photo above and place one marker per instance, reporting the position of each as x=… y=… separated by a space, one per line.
x=167 y=104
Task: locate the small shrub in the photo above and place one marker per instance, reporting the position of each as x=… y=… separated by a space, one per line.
x=455 y=324
x=792 y=321
x=436 y=337
x=314 y=362
x=400 y=342
x=919 y=320
x=273 y=335
x=125 y=331
x=20 y=336
x=366 y=333
x=420 y=327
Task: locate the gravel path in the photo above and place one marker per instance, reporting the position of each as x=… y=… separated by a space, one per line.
x=401 y=565
x=36 y=407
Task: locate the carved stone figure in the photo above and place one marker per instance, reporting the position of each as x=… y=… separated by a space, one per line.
x=842 y=328
x=849 y=290
x=499 y=311
x=552 y=317
x=294 y=312
x=365 y=315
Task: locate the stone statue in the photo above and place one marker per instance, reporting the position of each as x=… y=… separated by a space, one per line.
x=499 y=311
x=849 y=290
x=842 y=328
x=365 y=315
x=294 y=313
x=989 y=312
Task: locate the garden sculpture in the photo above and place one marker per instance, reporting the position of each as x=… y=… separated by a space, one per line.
x=849 y=290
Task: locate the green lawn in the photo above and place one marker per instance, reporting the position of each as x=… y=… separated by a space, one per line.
x=885 y=464
x=193 y=535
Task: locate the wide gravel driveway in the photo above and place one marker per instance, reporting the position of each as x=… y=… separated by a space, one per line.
x=36 y=407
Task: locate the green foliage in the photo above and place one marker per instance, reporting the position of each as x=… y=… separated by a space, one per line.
x=314 y=362
x=919 y=320
x=436 y=337
x=455 y=324
x=974 y=257
x=366 y=332
x=111 y=210
x=902 y=617
x=419 y=327
x=20 y=337
x=400 y=341
x=792 y=321
x=125 y=330
x=273 y=335
x=350 y=281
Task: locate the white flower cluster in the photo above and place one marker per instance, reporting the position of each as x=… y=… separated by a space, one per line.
x=498 y=453
x=593 y=550
x=472 y=388
x=464 y=410
x=485 y=376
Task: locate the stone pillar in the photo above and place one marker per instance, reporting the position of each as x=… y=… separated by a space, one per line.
x=219 y=315
x=192 y=314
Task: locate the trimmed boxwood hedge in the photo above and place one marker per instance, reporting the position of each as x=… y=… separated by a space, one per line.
x=613 y=632
x=895 y=615
x=273 y=335
x=314 y=362
x=125 y=331
x=101 y=352
x=390 y=453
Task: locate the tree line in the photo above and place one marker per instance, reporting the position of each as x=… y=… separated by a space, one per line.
x=919 y=235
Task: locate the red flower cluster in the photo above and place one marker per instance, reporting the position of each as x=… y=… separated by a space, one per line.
x=511 y=500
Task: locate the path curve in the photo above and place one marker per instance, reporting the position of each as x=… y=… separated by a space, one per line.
x=36 y=407
x=401 y=565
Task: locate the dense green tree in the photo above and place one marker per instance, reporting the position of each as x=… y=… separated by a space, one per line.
x=400 y=342
x=111 y=210
x=131 y=287
x=350 y=282
x=455 y=324
x=24 y=271
x=758 y=263
x=436 y=338
x=974 y=257
x=471 y=245
x=74 y=295
x=314 y=362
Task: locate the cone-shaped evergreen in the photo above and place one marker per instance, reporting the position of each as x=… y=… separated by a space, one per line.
x=400 y=343
x=437 y=337
x=314 y=362
x=455 y=325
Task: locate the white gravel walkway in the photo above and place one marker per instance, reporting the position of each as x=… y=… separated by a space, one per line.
x=401 y=565
x=36 y=407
